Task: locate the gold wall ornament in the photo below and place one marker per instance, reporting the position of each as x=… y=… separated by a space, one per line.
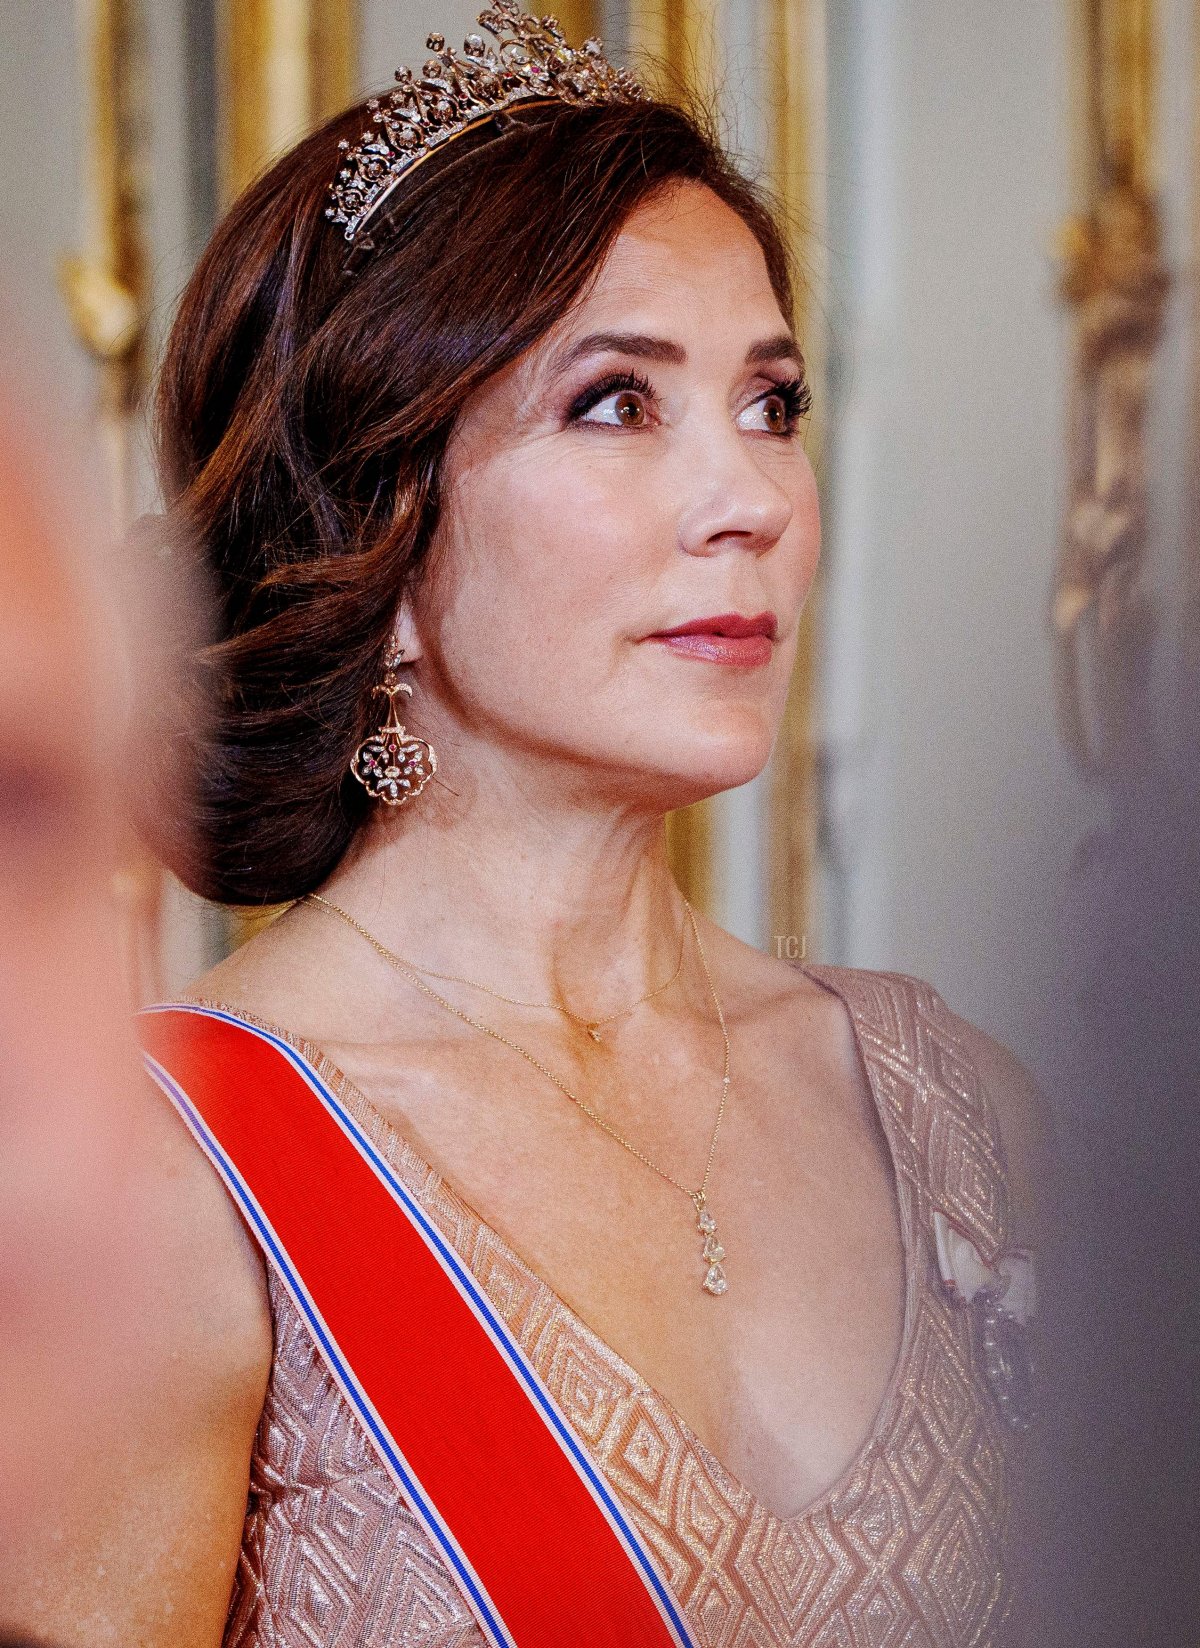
x=678 y=39
x=578 y=19
x=106 y=288
x=283 y=66
x=1115 y=282
x=798 y=100
x=106 y=285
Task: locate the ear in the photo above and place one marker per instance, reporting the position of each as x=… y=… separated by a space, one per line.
x=404 y=632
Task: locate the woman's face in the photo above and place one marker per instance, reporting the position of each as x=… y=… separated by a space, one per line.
x=641 y=467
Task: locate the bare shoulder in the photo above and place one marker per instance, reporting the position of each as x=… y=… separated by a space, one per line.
x=805 y=1022
x=200 y=1254
x=1020 y=1106
x=292 y=974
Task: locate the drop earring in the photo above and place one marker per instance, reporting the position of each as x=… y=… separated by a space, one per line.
x=393 y=765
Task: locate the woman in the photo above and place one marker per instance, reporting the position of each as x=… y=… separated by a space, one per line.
x=510 y=450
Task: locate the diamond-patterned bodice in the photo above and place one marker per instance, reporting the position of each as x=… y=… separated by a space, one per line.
x=906 y=1550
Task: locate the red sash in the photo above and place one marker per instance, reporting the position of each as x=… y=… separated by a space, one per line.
x=533 y=1533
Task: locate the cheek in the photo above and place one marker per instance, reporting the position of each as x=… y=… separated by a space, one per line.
x=558 y=568
x=808 y=513
x=792 y=564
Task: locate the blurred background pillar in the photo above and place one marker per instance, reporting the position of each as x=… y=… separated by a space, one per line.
x=1116 y=1561
x=796 y=58
x=681 y=37
x=107 y=290
x=106 y=284
x=1116 y=284
x=284 y=66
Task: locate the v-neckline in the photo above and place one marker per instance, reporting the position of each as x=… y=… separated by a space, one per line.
x=396 y=1144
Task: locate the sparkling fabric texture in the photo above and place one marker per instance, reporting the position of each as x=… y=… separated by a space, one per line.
x=905 y=1551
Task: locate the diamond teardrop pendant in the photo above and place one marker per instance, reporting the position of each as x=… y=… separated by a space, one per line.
x=714 y=1279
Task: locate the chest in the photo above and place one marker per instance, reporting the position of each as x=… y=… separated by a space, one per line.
x=783 y=1375
x=892 y=1526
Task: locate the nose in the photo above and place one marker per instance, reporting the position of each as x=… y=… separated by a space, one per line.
x=731 y=496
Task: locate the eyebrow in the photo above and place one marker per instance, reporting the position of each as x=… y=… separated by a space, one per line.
x=782 y=346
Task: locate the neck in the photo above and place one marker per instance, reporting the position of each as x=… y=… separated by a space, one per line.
x=571 y=903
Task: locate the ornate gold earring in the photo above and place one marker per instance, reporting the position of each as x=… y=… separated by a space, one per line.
x=393 y=765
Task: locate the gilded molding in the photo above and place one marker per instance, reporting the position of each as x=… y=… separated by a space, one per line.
x=1115 y=283
x=106 y=289
x=797 y=56
x=106 y=285
x=283 y=66
x=679 y=38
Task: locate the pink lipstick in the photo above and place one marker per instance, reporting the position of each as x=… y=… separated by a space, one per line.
x=727 y=638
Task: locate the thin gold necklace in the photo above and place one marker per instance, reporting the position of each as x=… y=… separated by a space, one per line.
x=592 y=1026
x=715 y=1281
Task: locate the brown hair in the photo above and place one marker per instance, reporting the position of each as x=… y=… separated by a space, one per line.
x=302 y=414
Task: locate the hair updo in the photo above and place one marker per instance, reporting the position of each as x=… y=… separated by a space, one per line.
x=302 y=414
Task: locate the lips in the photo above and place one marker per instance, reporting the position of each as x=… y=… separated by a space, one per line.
x=726 y=623
x=729 y=638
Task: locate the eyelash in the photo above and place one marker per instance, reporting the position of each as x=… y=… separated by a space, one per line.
x=793 y=392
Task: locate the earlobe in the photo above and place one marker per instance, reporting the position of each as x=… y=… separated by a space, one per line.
x=404 y=632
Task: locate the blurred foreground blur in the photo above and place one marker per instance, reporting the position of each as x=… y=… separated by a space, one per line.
x=1116 y=1553
x=74 y=647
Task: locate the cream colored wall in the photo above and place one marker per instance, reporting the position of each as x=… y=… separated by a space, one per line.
x=952 y=812
x=395 y=33
x=955 y=818
x=40 y=138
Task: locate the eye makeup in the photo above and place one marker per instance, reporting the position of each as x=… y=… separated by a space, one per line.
x=795 y=394
x=610 y=384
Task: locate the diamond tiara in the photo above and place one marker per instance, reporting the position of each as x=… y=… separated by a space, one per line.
x=531 y=63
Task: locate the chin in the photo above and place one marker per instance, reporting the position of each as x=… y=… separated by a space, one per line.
x=692 y=769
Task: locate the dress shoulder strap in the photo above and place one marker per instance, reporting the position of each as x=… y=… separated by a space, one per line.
x=942 y=1122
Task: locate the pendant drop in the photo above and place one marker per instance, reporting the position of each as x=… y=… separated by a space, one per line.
x=715 y=1281
x=593 y=1032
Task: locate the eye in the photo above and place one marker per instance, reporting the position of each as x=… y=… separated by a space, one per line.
x=628 y=391
x=784 y=406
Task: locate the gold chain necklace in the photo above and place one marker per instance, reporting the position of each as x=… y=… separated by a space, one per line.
x=592 y=1026
x=715 y=1281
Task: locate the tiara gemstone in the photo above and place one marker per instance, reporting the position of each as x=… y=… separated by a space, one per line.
x=531 y=60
